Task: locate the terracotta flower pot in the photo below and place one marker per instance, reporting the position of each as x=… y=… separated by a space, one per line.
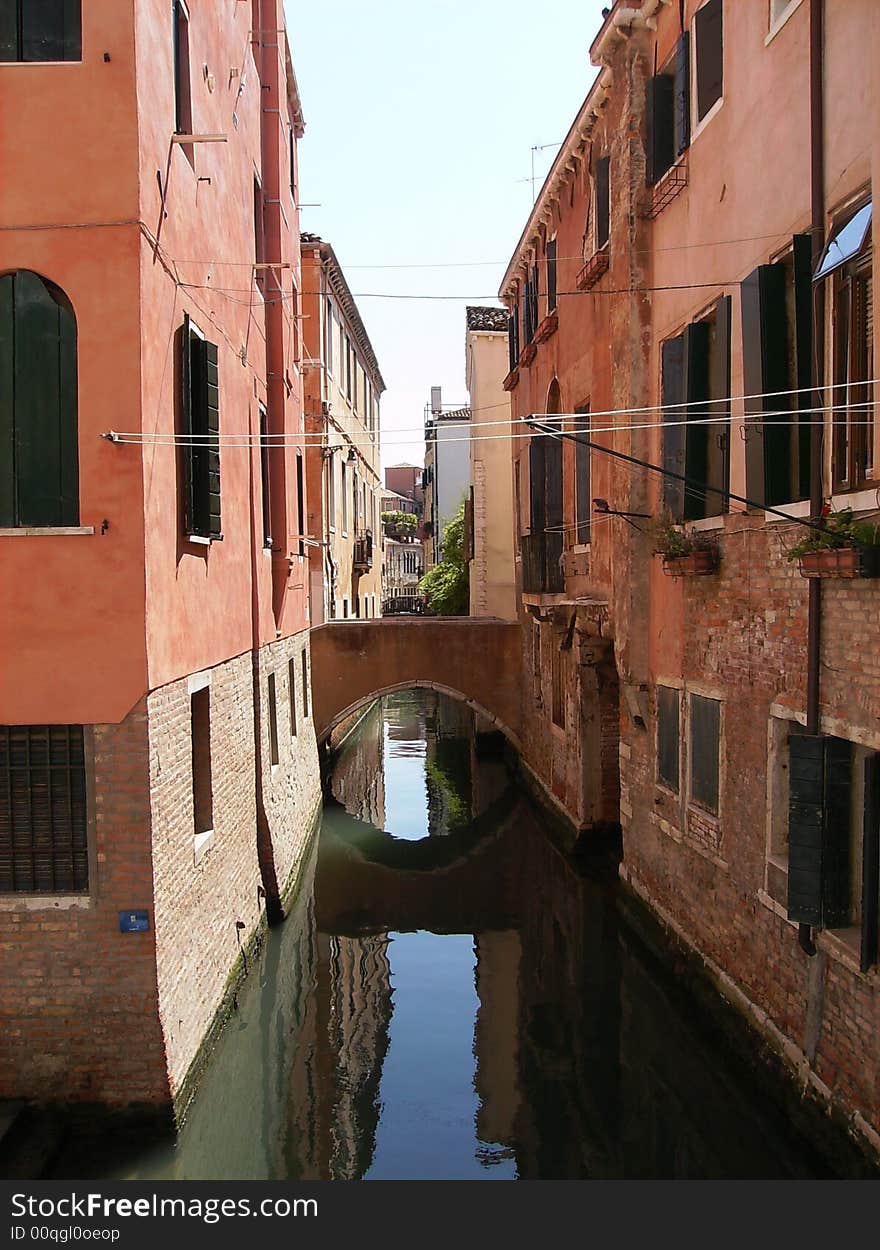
x=841 y=562
x=697 y=564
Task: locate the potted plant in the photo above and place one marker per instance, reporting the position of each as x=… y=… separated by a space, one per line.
x=840 y=547
x=684 y=555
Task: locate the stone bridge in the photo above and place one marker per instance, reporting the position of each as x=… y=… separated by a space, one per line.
x=471 y=658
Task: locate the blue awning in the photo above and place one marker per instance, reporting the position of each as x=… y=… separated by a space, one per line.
x=845 y=243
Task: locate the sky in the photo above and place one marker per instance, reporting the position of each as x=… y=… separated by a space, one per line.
x=416 y=165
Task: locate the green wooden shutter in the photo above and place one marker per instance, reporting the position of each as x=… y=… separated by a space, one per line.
x=672 y=364
x=709 y=24
x=72 y=30
x=661 y=133
x=7 y=399
x=818 y=830
x=682 y=93
x=870 y=862
x=765 y=371
x=186 y=412
x=46 y=441
x=718 y=434
x=9 y=49
x=803 y=350
x=212 y=429
x=696 y=437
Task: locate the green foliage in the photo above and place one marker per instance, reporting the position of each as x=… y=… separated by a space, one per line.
x=399 y=524
x=446 y=586
x=669 y=540
x=841 y=529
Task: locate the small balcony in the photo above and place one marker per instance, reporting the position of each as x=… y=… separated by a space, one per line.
x=363 y=552
x=541 y=565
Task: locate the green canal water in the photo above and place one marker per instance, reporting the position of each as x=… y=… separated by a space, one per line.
x=455 y=996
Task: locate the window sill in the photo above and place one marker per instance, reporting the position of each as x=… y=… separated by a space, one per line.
x=198 y=539
x=593 y=269
x=704 y=524
x=800 y=510
x=860 y=499
x=202 y=843
x=45 y=902
x=47 y=531
x=781 y=21
x=41 y=64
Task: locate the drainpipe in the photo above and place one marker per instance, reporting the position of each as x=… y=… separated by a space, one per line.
x=817 y=223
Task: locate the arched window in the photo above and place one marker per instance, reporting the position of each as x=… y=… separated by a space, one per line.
x=50 y=30
x=39 y=462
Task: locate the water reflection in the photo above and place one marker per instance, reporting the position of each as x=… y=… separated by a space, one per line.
x=452 y=998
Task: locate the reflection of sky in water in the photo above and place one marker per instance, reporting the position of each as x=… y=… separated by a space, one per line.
x=406 y=808
x=429 y=1104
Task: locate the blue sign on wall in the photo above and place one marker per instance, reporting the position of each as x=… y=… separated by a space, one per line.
x=134 y=922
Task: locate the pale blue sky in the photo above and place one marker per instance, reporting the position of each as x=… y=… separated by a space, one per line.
x=420 y=120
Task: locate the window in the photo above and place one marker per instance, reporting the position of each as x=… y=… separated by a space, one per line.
x=550 y=255
x=202 y=783
x=668 y=737
x=344 y=471
x=582 y=485
x=530 y=305
x=201 y=430
x=291 y=686
x=50 y=30
x=669 y=112
x=513 y=337
x=708 y=30
x=328 y=337
x=602 y=191
x=558 y=684
x=259 y=237
x=852 y=304
x=696 y=373
x=348 y=368
x=183 y=122
x=777 y=337
x=273 y=721
x=300 y=503
x=305 y=680
x=294 y=325
x=39 y=448
x=330 y=463
x=705 y=740
x=264 y=476
x=292 y=142
x=43 y=810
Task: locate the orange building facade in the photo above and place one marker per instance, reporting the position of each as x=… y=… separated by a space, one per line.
x=693 y=287
x=154 y=658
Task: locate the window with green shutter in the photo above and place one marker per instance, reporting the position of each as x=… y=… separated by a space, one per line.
x=201 y=425
x=40 y=30
x=39 y=451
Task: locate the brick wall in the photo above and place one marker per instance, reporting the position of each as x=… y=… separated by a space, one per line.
x=78 y=1003
x=743 y=635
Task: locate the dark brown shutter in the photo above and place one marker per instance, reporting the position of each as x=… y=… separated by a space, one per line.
x=7 y=393
x=765 y=373
x=536 y=484
x=582 y=478
x=661 y=134
x=718 y=433
x=603 y=200
x=870 y=862
x=668 y=736
x=212 y=417
x=672 y=373
x=818 y=830
x=550 y=252
x=682 y=102
x=803 y=352
x=696 y=373
x=705 y=743
x=710 y=55
x=301 y=502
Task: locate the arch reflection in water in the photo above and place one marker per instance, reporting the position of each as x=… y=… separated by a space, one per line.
x=454 y=997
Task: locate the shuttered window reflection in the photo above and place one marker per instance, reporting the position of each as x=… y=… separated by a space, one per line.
x=43 y=815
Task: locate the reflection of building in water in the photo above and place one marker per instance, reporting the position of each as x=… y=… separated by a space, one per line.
x=359 y=775
x=342 y=1046
x=448 y=731
x=496 y=1039
x=404 y=714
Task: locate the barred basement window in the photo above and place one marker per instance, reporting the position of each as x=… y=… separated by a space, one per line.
x=668 y=737
x=43 y=810
x=47 y=31
x=201 y=429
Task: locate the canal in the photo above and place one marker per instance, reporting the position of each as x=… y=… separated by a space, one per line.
x=455 y=996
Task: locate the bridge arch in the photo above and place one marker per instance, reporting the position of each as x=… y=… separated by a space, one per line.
x=476 y=660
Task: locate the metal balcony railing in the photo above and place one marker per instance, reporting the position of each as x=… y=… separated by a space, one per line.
x=363 y=551
x=542 y=564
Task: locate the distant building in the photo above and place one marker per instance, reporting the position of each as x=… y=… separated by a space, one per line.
x=490 y=515
x=447 y=471
x=342 y=389
x=407 y=480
